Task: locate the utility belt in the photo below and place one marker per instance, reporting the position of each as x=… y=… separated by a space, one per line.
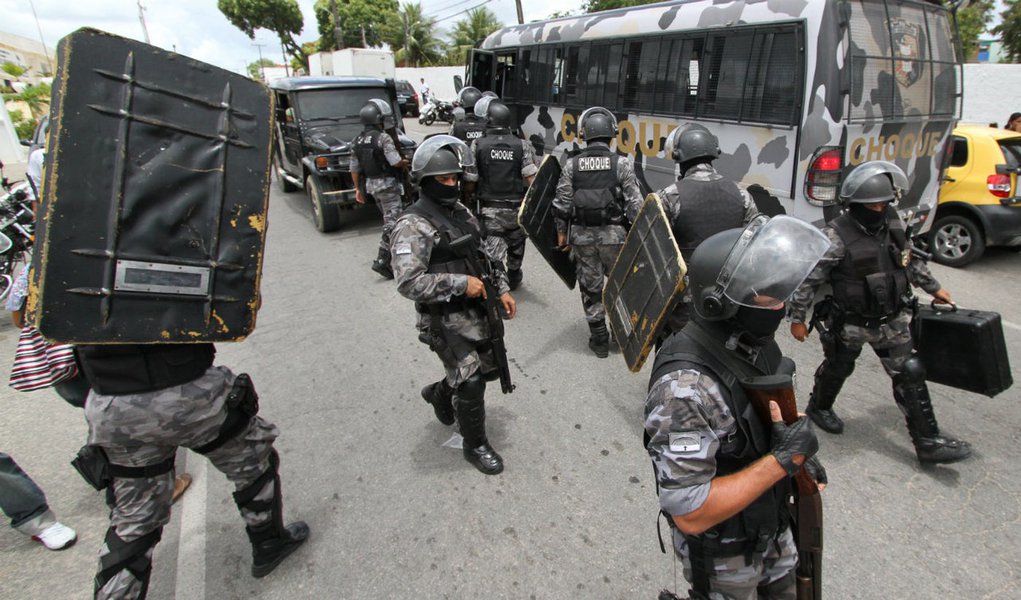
x=868 y=322
x=445 y=308
x=486 y=203
x=596 y=217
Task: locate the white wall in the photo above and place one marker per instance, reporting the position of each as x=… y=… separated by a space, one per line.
x=440 y=79
x=991 y=93
x=11 y=150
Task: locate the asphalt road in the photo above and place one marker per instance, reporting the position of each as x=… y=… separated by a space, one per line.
x=395 y=514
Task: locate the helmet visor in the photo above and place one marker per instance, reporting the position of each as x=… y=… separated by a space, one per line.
x=867 y=171
x=383 y=106
x=597 y=110
x=482 y=106
x=770 y=260
x=426 y=149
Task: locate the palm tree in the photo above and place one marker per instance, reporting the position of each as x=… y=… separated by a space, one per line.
x=475 y=27
x=413 y=37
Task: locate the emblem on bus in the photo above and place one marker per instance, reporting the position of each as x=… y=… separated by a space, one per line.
x=907 y=66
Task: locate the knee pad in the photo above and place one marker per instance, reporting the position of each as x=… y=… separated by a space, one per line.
x=245 y=497
x=912 y=373
x=473 y=389
x=129 y=556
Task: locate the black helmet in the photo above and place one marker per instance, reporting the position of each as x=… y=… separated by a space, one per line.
x=468 y=96
x=692 y=141
x=875 y=181
x=440 y=155
x=597 y=123
x=759 y=266
x=499 y=115
x=370 y=115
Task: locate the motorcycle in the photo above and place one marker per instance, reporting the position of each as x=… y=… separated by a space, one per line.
x=436 y=109
x=17 y=230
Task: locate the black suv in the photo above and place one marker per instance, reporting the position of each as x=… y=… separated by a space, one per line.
x=407 y=98
x=317 y=118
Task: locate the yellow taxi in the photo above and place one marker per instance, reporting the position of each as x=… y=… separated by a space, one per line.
x=979 y=201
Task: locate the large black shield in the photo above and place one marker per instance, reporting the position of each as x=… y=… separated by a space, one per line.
x=155 y=197
x=644 y=283
x=536 y=218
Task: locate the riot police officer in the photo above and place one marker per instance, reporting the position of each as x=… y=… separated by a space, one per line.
x=431 y=243
x=597 y=189
x=377 y=160
x=472 y=126
x=700 y=203
x=504 y=168
x=148 y=399
x=724 y=475
x=871 y=269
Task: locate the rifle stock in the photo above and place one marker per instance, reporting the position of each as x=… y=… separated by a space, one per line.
x=807 y=501
x=462 y=247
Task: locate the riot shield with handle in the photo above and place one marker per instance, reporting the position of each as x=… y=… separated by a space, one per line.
x=644 y=283
x=536 y=217
x=155 y=199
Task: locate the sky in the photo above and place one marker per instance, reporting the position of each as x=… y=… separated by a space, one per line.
x=198 y=29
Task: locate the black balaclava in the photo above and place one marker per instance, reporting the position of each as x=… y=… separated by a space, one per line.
x=444 y=195
x=760 y=323
x=871 y=220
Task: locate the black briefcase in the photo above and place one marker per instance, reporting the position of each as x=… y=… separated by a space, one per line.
x=963 y=349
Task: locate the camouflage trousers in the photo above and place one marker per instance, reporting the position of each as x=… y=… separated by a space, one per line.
x=388 y=200
x=502 y=224
x=138 y=430
x=592 y=264
x=891 y=341
x=768 y=577
x=470 y=329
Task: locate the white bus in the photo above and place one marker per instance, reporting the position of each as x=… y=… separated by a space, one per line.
x=797 y=91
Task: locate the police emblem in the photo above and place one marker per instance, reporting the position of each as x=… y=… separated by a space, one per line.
x=907 y=50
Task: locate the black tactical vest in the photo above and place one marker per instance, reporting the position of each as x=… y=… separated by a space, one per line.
x=451 y=225
x=705 y=208
x=370 y=156
x=469 y=129
x=118 y=369
x=767 y=516
x=597 y=193
x=499 y=155
x=869 y=281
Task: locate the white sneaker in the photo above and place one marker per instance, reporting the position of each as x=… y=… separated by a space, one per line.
x=57 y=536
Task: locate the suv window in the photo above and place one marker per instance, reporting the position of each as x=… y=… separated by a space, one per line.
x=335 y=103
x=405 y=87
x=1011 y=152
x=959 y=158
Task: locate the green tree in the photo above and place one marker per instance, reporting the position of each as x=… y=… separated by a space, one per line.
x=282 y=17
x=255 y=68
x=971 y=24
x=474 y=27
x=413 y=37
x=362 y=22
x=1009 y=29
x=36 y=97
x=13 y=69
x=22 y=126
x=598 y=5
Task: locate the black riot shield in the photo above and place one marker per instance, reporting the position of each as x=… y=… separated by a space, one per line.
x=644 y=283
x=155 y=197
x=536 y=217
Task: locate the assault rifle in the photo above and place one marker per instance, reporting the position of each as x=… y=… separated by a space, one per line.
x=479 y=267
x=807 y=511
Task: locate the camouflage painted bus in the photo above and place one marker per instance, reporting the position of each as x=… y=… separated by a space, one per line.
x=797 y=91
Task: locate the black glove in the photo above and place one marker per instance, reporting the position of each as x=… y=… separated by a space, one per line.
x=816 y=470
x=799 y=438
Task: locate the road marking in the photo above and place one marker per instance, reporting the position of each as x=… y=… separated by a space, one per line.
x=1013 y=326
x=191 y=550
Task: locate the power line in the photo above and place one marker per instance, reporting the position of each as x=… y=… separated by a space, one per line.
x=470 y=8
x=449 y=6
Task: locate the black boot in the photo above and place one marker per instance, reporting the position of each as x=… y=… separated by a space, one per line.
x=440 y=395
x=514 y=277
x=931 y=446
x=599 y=339
x=271 y=541
x=829 y=379
x=471 y=416
x=382 y=264
x=823 y=415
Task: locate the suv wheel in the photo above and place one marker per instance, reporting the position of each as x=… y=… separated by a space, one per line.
x=285 y=185
x=324 y=216
x=956 y=240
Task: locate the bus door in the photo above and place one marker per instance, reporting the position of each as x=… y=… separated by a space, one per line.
x=482 y=70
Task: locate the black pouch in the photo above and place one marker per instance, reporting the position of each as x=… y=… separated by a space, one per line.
x=94 y=467
x=243 y=396
x=881 y=290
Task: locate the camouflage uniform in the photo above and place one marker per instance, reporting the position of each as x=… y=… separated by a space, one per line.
x=411 y=245
x=595 y=249
x=687 y=424
x=142 y=429
x=385 y=190
x=501 y=223
x=672 y=206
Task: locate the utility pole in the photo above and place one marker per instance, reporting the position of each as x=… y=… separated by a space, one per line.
x=46 y=53
x=521 y=15
x=141 y=19
x=283 y=53
x=262 y=69
x=338 y=32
